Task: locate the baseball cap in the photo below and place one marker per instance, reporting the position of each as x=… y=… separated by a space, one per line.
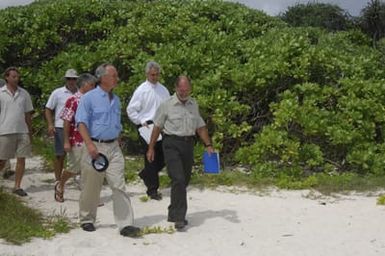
x=71 y=73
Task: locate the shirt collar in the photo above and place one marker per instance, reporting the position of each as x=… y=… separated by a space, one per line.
x=175 y=100
x=151 y=84
x=67 y=90
x=5 y=89
x=102 y=92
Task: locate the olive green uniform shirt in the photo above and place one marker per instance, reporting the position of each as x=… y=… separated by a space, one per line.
x=176 y=118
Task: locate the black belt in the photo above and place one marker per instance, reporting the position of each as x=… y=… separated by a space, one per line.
x=184 y=138
x=147 y=122
x=103 y=141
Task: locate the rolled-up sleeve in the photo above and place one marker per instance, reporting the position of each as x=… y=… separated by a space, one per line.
x=82 y=115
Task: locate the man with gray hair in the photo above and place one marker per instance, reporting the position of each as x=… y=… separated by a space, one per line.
x=73 y=141
x=141 y=111
x=99 y=122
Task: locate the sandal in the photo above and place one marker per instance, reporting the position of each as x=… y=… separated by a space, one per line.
x=59 y=194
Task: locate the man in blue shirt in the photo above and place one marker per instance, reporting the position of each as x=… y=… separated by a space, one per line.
x=98 y=120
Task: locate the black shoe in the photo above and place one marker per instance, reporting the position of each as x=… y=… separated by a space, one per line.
x=130 y=231
x=180 y=225
x=20 y=192
x=89 y=227
x=8 y=174
x=156 y=196
x=185 y=222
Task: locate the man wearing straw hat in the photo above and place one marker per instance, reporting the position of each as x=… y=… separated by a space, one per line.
x=53 y=108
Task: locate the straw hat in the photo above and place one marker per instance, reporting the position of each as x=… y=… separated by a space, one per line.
x=71 y=73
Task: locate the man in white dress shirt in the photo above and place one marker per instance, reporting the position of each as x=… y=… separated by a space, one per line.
x=141 y=111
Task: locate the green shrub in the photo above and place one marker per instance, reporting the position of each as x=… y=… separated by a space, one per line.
x=274 y=97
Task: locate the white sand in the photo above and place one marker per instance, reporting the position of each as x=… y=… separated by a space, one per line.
x=221 y=222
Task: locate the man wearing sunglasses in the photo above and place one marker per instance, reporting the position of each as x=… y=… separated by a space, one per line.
x=53 y=108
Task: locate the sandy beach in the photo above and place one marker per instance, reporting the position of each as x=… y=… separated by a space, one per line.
x=223 y=222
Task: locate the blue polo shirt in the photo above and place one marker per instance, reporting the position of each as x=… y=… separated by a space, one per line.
x=100 y=115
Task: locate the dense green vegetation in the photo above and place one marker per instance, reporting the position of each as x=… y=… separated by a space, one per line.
x=314 y=14
x=280 y=100
x=372 y=20
x=333 y=18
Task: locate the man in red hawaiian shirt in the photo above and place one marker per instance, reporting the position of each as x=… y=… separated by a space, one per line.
x=72 y=138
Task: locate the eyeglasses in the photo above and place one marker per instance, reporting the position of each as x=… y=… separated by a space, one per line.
x=71 y=78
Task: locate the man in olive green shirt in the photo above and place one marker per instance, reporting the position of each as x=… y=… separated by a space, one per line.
x=179 y=120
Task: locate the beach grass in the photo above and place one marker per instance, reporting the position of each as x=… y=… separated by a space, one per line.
x=20 y=223
x=325 y=183
x=381 y=200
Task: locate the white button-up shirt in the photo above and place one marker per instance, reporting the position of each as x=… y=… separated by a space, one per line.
x=56 y=103
x=145 y=101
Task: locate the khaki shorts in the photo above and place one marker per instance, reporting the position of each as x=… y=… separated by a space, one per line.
x=74 y=158
x=15 y=145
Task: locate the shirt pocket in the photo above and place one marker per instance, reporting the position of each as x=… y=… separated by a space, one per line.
x=191 y=121
x=176 y=121
x=101 y=116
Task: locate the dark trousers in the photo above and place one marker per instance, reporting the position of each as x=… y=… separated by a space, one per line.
x=179 y=157
x=150 y=172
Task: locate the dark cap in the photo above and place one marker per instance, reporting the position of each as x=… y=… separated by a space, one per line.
x=100 y=164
